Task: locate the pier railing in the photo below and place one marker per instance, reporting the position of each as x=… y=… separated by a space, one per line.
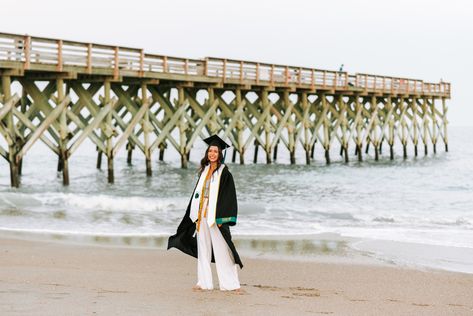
x=31 y=51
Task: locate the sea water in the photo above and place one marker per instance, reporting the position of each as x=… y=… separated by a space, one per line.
x=408 y=211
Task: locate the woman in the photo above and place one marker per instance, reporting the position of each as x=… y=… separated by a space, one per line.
x=204 y=232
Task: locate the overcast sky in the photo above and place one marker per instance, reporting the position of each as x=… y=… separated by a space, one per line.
x=421 y=39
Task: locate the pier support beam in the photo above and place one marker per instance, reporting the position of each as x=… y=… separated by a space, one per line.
x=146 y=127
x=162 y=147
x=312 y=150
x=390 y=121
x=12 y=144
x=326 y=125
x=275 y=151
x=267 y=125
x=403 y=109
x=99 y=159
x=183 y=126
x=21 y=129
x=290 y=127
x=306 y=125
x=425 y=125
x=433 y=118
x=109 y=134
x=234 y=155
x=239 y=129
x=374 y=127
x=415 y=125
x=63 y=134
x=359 y=126
x=129 y=156
x=445 y=122
x=343 y=117
x=255 y=158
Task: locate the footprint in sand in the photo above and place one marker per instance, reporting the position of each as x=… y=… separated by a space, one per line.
x=305 y=291
x=421 y=304
x=393 y=300
x=57 y=295
x=299 y=288
x=307 y=294
x=300 y=291
x=267 y=287
x=55 y=284
x=101 y=291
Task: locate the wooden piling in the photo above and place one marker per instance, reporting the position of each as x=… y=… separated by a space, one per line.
x=326 y=125
x=266 y=104
x=146 y=127
x=255 y=158
x=12 y=148
x=290 y=127
x=312 y=150
x=275 y=152
x=240 y=127
x=445 y=122
x=415 y=124
x=162 y=147
x=63 y=133
x=374 y=126
x=109 y=133
x=129 y=157
x=306 y=125
x=390 y=121
x=343 y=117
x=433 y=118
x=24 y=104
x=425 y=125
x=358 y=125
x=182 y=127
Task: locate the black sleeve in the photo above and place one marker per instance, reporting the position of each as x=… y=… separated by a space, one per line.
x=227 y=205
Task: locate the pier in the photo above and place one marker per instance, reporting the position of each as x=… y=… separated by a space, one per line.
x=63 y=92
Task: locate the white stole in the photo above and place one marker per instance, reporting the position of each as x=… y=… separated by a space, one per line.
x=213 y=195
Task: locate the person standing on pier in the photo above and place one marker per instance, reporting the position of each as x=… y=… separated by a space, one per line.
x=340 y=78
x=204 y=232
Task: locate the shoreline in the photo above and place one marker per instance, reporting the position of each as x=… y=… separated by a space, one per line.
x=319 y=248
x=38 y=277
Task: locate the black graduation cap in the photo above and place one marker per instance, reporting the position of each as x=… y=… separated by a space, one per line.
x=214 y=140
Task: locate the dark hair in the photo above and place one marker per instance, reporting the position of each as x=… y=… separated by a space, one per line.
x=205 y=160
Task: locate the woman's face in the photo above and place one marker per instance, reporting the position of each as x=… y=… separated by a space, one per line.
x=212 y=154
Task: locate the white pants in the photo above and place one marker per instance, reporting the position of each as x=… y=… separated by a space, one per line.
x=208 y=238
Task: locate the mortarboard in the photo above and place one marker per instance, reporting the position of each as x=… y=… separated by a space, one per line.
x=214 y=140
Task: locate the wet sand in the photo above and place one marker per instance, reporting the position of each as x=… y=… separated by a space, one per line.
x=52 y=278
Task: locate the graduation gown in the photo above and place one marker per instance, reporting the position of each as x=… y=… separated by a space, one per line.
x=185 y=238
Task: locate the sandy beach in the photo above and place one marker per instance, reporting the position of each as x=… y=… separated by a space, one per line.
x=52 y=278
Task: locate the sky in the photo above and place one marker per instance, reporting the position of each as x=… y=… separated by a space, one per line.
x=420 y=39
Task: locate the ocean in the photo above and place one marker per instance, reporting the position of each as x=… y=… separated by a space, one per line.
x=417 y=211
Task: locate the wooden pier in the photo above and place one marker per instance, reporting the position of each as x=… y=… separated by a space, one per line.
x=125 y=99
